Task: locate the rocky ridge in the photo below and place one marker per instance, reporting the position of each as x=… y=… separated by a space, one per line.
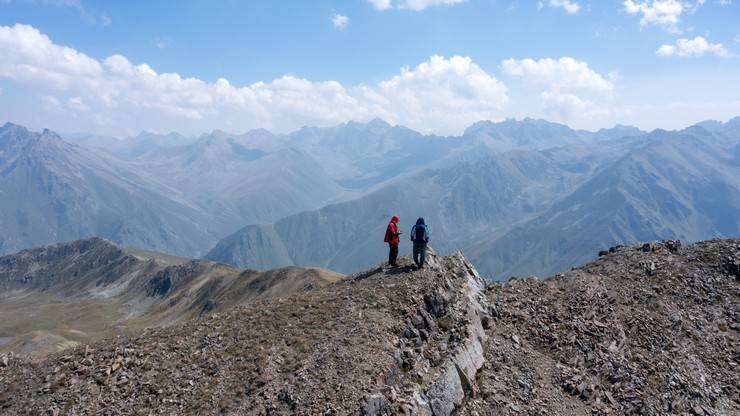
x=383 y=342
x=648 y=329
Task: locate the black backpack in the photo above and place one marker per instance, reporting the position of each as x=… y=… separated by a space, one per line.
x=419 y=232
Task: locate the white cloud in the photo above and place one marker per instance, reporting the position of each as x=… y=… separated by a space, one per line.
x=340 y=21
x=571 y=88
x=736 y=39
x=415 y=5
x=29 y=55
x=570 y=7
x=568 y=106
x=725 y=2
x=440 y=91
x=688 y=48
x=115 y=95
x=381 y=4
x=564 y=74
x=664 y=13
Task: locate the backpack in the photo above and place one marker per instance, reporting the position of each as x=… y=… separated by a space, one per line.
x=420 y=232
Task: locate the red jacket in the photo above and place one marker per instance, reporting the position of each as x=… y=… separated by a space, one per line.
x=391 y=233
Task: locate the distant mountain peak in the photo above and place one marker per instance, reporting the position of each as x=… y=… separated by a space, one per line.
x=220 y=134
x=12 y=126
x=49 y=134
x=378 y=122
x=259 y=132
x=144 y=134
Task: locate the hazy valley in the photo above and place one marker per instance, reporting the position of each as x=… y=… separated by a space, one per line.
x=519 y=197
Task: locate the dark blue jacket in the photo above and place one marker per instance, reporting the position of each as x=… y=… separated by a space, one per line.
x=423 y=232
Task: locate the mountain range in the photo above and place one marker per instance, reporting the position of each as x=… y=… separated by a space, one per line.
x=519 y=196
x=526 y=211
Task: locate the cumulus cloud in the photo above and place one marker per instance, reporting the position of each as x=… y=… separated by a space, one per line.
x=29 y=56
x=568 y=106
x=688 y=48
x=570 y=87
x=564 y=74
x=453 y=91
x=570 y=7
x=340 y=21
x=664 y=13
x=415 y=5
x=114 y=94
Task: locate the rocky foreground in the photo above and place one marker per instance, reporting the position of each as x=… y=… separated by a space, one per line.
x=648 y=329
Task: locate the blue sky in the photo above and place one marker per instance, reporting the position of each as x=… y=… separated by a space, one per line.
x=283 y=64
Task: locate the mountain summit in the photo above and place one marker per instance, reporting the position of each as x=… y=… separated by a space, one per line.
x=650 y=329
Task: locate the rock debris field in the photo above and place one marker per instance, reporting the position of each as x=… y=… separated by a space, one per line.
x=648 y=329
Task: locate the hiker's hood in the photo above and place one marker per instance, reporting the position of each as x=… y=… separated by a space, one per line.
x=420 y=221
x=394 y=219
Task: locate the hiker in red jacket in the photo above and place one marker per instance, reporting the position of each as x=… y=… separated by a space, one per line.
x=391 y=237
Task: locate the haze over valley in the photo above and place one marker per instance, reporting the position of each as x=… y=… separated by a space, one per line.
x=518 y=196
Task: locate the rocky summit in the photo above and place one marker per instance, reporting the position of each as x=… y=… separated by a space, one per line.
x=648 y=329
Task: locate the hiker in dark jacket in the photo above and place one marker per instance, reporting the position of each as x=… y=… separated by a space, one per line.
x=391 y=237
x=420 y=238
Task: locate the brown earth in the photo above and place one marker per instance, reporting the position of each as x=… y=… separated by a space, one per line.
x=65 y=294
x=647 y=329
x=367 y=342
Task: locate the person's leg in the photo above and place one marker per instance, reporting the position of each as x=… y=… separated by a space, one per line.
x=422 y=254
x=416 y=254
x=393 y=254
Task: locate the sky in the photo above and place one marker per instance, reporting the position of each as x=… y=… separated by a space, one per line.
x=437 y=66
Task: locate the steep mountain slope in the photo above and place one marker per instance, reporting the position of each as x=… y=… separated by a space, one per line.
x=537 y=134
x=677 y=186
x=361 y=155
x=56 y=296
x=643 y=330
x=130 y=148
x=166 y=195
x=462 y=203
x=53 y=191
x=237 y=180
